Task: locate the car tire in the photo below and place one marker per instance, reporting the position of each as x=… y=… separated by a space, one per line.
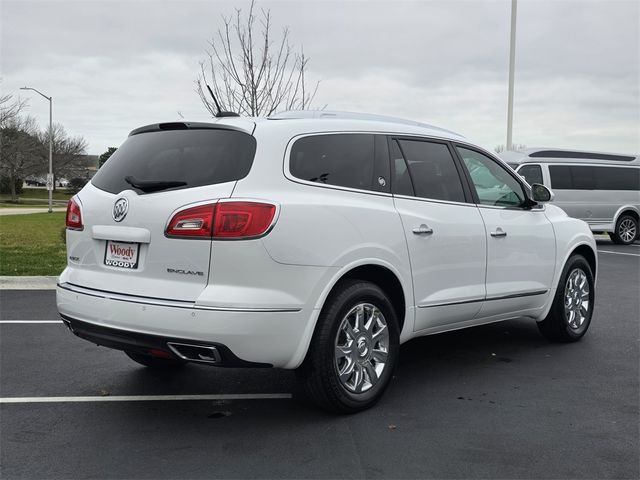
x=155 y=362
x=354 y=350
x=570 y=317
x=626 y=230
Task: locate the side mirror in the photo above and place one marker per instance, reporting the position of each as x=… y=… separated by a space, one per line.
x=540 y=193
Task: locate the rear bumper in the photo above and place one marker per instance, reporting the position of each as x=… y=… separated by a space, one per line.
x=149 y=344
x=243 y=337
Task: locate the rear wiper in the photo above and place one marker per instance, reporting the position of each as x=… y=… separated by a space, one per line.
x=148 y=186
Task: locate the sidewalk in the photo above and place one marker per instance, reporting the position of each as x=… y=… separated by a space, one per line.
x=28 y=283
x=20 y=210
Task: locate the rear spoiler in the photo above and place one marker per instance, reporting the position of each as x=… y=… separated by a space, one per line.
x=246 y=127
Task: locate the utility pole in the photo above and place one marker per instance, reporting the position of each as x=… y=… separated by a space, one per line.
x=50 y=178
x=512 y=61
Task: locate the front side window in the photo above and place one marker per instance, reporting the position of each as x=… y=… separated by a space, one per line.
x=531 y=173
x=494 y=185
x=345 y=160
x=429 y=169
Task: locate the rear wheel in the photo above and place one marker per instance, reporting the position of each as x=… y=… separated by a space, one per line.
x=626 y=230
x=572 y=309
x=354 y=350
x=155 y=362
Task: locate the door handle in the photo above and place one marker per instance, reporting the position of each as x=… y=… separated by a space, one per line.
x=423 y=230
x=499 y=233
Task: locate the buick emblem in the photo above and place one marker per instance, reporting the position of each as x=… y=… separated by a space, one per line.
x=120 y=209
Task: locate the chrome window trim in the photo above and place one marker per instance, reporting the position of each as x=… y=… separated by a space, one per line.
x=541 y=207
x=286 y=167
x=433 y=200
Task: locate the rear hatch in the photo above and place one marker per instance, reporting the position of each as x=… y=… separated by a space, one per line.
x=122 y=247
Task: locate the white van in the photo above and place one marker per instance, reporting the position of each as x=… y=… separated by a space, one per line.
x=601 y=189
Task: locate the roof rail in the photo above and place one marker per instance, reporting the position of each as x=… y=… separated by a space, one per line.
x=317 y=114
x=581 y=155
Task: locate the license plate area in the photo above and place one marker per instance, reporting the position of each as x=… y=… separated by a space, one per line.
x=122 y=254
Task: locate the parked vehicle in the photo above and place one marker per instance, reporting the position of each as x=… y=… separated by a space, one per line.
x=315 y=241
x=601 y=189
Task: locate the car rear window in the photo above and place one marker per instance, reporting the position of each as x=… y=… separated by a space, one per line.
x=195 y=157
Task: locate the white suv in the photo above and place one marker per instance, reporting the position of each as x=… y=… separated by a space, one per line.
x=314 y=241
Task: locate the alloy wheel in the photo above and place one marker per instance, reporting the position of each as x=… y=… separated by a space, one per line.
x=627 y=230
x=361 y=348
x=576 y=298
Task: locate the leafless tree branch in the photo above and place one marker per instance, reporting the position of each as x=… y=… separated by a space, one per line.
x=250 y=72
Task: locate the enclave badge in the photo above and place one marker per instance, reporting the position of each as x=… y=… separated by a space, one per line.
x=120 y=209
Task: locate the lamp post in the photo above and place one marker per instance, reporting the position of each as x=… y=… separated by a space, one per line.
x=512 y=61
x=50 y=175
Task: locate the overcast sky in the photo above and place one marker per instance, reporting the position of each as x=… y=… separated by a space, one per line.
x=112 y=66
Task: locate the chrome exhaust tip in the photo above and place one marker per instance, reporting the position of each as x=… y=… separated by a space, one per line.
x=196 y=353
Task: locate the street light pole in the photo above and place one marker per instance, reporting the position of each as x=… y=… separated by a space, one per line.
x=512 y=61
x=50 y=176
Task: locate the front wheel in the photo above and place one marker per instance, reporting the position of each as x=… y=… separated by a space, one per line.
x=626 y=230
x=354 y=350
x=572 y=308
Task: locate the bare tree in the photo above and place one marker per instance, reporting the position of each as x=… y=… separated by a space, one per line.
x=250 y=72
x=68 y=159
x=20 y=150
x=10 y=108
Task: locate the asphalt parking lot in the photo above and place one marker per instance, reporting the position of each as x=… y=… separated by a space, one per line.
x=496 y=401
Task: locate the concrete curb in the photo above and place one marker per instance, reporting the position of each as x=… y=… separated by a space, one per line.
x=28 y=283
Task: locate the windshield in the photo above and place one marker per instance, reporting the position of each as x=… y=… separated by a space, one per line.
x=175 y=159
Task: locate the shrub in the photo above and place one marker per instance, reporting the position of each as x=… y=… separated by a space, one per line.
x=76 y=184
x=5 y=185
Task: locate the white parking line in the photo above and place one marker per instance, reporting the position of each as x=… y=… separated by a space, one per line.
x=148 y=398
x=30 y=321
x=619 y=253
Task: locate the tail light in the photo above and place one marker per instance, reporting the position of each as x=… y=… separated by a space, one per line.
x=242 y=219
x=223 y=220
x=74 y=217
x=193 y=222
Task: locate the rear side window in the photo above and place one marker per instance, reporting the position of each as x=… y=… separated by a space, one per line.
x=531 y=173
x=617 y=178
x=193 y=157
x=345 y=160
x=582 y=177
x=560 y=177
x=431 y=171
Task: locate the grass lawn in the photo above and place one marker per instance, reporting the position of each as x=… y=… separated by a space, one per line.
x=37 y=196
x=25 y=205
x=32 y=244
x=59 y=194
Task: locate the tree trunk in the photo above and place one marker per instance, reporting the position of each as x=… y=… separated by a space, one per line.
x=14 y=197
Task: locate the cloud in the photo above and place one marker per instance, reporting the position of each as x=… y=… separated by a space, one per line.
x=113 y=66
